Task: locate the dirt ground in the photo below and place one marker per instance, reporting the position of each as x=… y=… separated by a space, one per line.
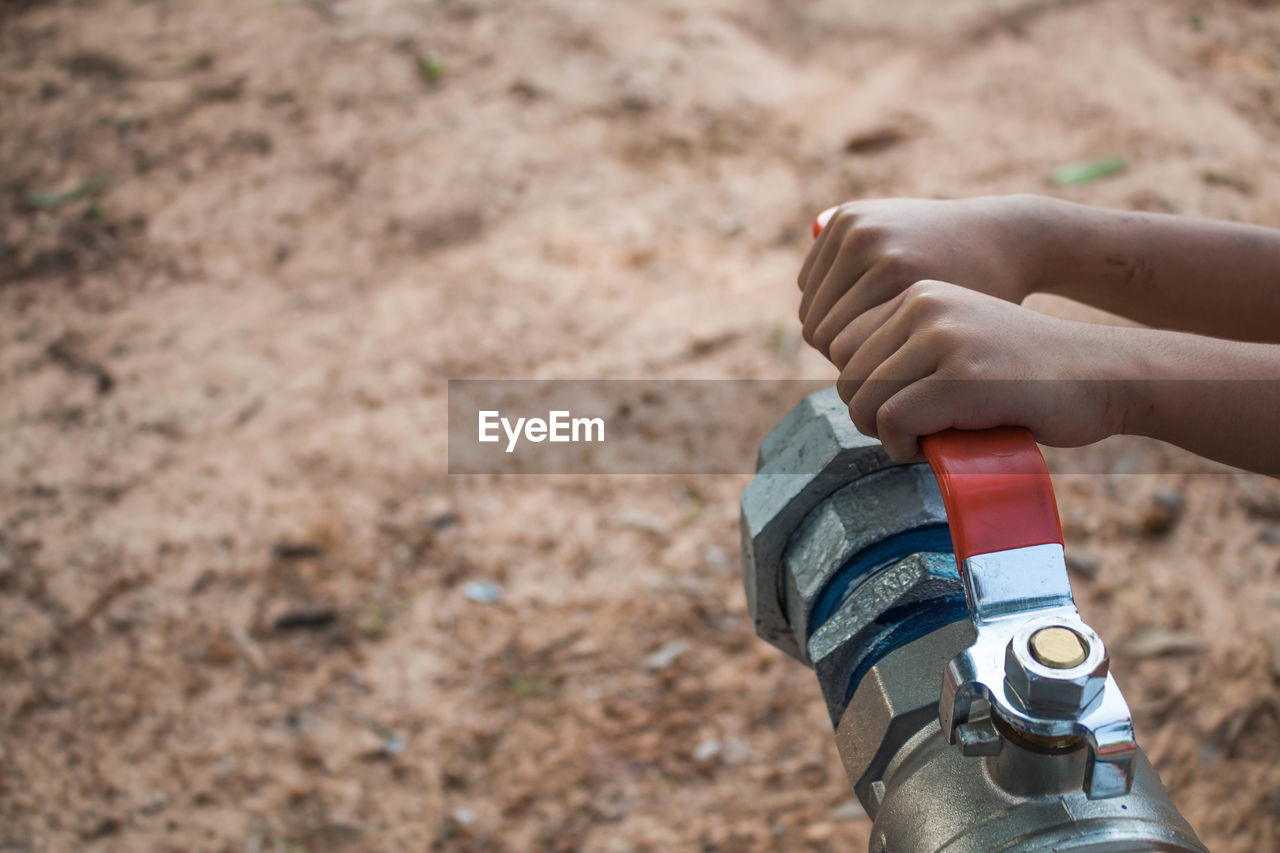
x=243 y=245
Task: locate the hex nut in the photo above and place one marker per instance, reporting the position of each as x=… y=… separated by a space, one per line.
x=1042 y=689
x=869 y=511
x=918 y=584
x=812 y=452
x=897 y=698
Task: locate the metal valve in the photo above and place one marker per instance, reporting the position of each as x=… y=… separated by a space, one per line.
x=1034 y=665
x=1037 y=666
x=974 y=709
x=862 y=569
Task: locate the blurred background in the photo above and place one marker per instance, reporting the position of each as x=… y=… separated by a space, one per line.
x=243 y=245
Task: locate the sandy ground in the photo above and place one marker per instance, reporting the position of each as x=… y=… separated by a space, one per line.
x=243 y=245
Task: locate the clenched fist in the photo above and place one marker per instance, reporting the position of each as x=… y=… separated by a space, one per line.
x=870 y=251
x=938 y=355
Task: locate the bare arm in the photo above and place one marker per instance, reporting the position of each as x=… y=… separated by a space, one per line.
x=1195 y=275
x=1173 y=272
x=1219 y=399
x=940 y=356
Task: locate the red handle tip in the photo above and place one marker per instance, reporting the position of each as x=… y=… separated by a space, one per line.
x=821 y=222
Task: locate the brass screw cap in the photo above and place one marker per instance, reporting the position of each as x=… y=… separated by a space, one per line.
x=1058 y=648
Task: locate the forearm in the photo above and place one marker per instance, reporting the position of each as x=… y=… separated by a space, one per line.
x=1196 y=275
x=1216 y=398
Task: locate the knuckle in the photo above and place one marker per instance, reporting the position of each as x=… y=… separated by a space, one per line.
x=848 y=210
x=840 y=350
x=926 y=288
x=926 y=297
x=900 y=261
x=808 y=331
x=891 y=418
x=844 y=219
x=864 y=425
x=822 y=340
x=938 y=336
x=865 y=421
x=973 y=369
x=869 y=234
x=963 y=369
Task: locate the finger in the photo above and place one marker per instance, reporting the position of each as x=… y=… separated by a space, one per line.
x=922 y=408
x=882 y=342
x=823 y=218
x=835 y=238
x=848 y=340
x=841 y=259
x=826 y=239
x=909 y=364
x=880 y=284
x=850 y=264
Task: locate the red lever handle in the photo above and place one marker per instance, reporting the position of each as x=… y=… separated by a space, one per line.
x=996 y=489
x=994 y=483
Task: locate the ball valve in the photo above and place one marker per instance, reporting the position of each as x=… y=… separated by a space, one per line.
x=974 y=710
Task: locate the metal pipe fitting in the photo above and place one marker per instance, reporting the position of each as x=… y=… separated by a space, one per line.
x=974 y=710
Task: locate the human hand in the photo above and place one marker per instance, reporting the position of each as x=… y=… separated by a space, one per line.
x=870 y=251
x=938 y=356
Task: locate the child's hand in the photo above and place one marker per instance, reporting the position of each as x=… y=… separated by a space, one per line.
x=918 y=356
x=938 y=356
x=870 y=251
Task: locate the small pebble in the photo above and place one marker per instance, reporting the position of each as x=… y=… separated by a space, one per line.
x=715 y=557
x=707 y=749
x=156 y=803
x=393 y=746
x=731 y=225
x=1166 y=509
x=815 y=833
x=445 y=520
x=482 y=592
x=646 y=521
x=221 y=650
x=666 y=655
x=1129 y=463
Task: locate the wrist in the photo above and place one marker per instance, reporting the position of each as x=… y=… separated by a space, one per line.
x=1131 y=374
x=1072 y=247
x=1037 y=225
x=1165 y=378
